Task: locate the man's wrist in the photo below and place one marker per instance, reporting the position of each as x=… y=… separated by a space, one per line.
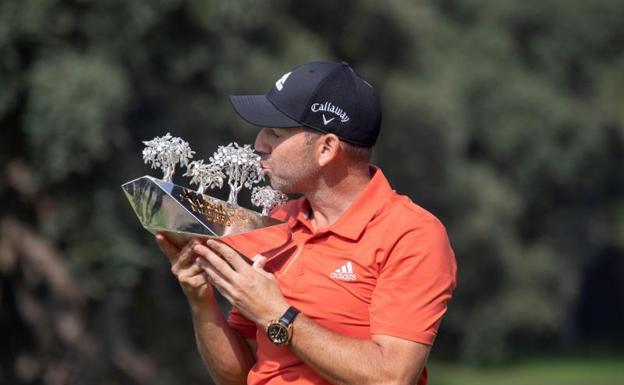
x=275 y=316
x=205 y=307
x=280 y=331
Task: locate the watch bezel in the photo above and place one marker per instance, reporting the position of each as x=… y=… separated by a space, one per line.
x=283 y=328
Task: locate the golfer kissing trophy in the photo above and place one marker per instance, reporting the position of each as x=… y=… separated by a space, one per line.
x=182 y=213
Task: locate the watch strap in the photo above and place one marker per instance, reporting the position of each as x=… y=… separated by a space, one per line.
x=289 y=316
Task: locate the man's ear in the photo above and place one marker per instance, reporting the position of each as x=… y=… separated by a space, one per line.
x=328 y=148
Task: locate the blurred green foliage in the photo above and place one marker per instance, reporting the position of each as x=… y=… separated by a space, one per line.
x=505 y=119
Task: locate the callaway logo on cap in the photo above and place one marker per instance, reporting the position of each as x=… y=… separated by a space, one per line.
x=325 y=96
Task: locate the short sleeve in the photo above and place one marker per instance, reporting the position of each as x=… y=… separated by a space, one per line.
x=242 y=325
x=415 y=283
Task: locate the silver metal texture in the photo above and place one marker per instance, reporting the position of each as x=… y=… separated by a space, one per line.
x=184 y=214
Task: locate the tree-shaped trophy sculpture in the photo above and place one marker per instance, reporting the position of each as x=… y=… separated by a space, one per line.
x=241 y=165
x=204 y=175
x=165 y=153
x=267 y=198
x=183 y=213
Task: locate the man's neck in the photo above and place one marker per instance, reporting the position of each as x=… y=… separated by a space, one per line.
x=334 y=195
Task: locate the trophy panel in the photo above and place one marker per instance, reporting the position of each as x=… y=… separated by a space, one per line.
x=158 y=210
x=183 y=214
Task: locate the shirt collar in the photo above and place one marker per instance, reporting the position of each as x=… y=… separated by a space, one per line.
x=302 y=210
x=357 y=216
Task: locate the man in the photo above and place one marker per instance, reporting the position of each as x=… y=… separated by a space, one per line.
x=357 y=289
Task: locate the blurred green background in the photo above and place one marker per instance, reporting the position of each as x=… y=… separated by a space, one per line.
x=504 y=118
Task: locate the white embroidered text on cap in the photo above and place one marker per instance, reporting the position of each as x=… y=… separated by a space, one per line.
x=328 y=107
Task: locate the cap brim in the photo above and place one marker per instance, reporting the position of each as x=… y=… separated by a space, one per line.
x=259 y=111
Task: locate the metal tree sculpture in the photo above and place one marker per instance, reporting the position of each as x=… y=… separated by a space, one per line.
x=240 y=164
x=267 y=198
x=205 y=175
x=165 y=153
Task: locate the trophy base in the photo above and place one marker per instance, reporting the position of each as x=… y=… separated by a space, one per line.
x=183 y=214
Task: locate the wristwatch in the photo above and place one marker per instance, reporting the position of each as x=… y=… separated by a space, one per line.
x=280 y=331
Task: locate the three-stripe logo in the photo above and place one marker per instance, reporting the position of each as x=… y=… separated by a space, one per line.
x=344 y=272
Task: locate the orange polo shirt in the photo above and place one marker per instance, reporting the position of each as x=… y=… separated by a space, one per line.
x=384 y=267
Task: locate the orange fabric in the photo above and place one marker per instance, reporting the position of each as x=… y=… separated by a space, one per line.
x=385 y=267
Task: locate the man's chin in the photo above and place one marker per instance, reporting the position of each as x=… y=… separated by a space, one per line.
x=275 y=185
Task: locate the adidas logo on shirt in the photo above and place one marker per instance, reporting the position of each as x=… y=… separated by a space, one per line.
x=344 y=273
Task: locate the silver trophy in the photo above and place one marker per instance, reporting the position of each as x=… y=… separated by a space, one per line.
x=183 y=213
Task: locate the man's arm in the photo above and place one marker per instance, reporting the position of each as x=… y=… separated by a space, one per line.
x=343 y=360
x=226 y=354
x=339 y=359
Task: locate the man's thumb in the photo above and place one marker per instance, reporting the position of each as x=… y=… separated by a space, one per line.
x=258 y=262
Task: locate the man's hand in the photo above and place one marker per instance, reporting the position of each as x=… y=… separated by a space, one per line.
x=191 y=276
x=252 y=290
x=226 y=354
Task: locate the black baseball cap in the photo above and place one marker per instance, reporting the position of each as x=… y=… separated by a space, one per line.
x=325 y=96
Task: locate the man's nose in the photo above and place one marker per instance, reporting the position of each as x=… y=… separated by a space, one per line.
x=261 y=144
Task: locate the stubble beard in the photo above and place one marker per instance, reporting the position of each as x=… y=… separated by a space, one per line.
x=295 y=179
x=296 y=176
x=284 y=185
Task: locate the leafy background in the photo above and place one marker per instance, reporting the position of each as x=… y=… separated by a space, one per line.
x=505 y=119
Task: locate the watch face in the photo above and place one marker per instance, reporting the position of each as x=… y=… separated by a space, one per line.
x=278 y=333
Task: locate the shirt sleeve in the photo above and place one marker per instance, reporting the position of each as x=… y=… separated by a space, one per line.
x=415 y=283
x=242 y=325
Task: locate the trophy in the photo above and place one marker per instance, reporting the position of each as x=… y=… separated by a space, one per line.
x=183 y=213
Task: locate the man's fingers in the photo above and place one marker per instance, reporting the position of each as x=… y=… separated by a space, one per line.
x=184 y=258
x=216 y=278
x=215 y=261
x=229 y=254
x=168 y=248
x=190 y=271
x=173 y=253
x=258 y=265
x=258 y=262
x=197 y=281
